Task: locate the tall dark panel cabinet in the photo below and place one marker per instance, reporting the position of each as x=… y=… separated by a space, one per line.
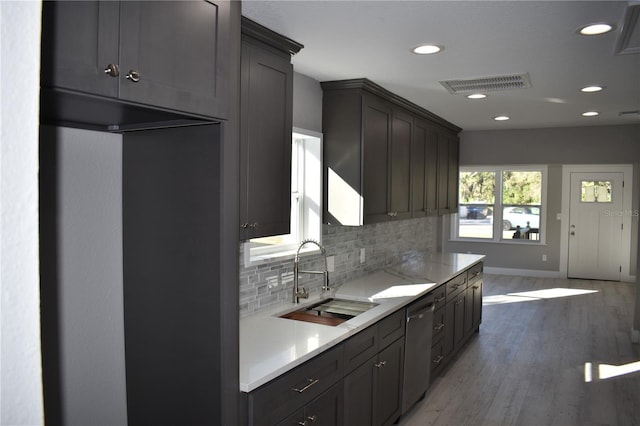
x=266 y=117
x=172 y=300
x=165 y=76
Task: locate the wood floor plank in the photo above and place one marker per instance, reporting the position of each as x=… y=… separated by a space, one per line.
x=527 y=364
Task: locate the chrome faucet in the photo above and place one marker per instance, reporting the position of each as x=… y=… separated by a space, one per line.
x=301 y=293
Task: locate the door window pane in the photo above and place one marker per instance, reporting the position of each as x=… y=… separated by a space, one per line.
x=595 y=191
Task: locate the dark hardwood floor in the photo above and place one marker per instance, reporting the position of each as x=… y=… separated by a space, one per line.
x=555 y=353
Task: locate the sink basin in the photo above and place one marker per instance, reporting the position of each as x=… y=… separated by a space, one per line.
x=330 y=311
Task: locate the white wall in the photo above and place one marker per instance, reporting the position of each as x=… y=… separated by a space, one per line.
x=20 y=371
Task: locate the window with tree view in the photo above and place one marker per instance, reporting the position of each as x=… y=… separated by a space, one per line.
x=501 y=203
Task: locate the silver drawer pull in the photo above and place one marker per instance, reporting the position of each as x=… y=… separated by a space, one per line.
x=438 y=360
x=313 y=418
x=439 y=327
x=439 y=299
x=380 y=364
x=311 y=383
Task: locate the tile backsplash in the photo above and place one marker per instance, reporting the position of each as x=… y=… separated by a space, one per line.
x=265 y=285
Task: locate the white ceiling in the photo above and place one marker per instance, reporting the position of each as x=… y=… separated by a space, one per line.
x=373 y=39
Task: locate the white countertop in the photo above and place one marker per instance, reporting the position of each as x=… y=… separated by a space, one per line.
x=270 y=346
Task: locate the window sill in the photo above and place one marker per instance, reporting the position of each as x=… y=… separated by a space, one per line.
x=523 y=242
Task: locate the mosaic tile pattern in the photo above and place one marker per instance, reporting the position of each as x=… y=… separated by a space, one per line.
x=266 y=285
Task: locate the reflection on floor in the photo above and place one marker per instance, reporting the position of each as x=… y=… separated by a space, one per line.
x=562 y=358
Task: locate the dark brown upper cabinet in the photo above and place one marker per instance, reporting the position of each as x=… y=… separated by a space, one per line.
x=266 y=101
x=448 y=171
x=114 y=65
x=382 y=155
x=424 y=169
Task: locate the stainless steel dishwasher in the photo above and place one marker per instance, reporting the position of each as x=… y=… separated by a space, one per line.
x=417 y=350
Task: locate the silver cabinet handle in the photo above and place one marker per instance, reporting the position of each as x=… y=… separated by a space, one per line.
x=112 y=70
x=380 y=364
x=310 y=383
x=134 y=76
x=439 y=327
x=438 y=360
x=313 y=418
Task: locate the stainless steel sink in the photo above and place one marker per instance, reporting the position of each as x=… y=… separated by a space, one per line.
x=330 y=311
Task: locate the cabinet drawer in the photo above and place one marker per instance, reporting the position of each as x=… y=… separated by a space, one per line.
x=439 y=296
x=282 y=396
x=438 y=325
x=359 y=348
x=390 y=329
x=475 y=273
x=456 y=285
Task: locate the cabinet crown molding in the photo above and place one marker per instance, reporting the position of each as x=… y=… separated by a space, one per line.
x=375 y=89
x=265 y=35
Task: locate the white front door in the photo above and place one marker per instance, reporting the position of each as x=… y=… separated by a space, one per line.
x=595 y=226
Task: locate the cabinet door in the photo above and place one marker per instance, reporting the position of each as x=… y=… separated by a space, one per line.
x=389 y=384
x=178 y=48
x=476 y=294
x=359 y=394
x=400 y=165
x=424 y=170
x=375 y=144
x=453 y=174
x=266 y=116
x=454 y=320
x=82 y=40
x=443 y=175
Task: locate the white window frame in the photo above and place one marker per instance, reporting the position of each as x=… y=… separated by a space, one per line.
x=306 y=202
x=498 y=207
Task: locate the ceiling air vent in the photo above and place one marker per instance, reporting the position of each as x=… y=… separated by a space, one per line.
x=488 y=84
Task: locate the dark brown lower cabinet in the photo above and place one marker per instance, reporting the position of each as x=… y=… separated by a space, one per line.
x=373 y=391
x=359 y=382
x=325 y=410
x=455 y=312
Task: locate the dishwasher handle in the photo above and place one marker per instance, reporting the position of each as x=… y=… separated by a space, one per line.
x=419 y=314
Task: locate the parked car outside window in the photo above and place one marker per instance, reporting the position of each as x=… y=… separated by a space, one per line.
x=522 y=216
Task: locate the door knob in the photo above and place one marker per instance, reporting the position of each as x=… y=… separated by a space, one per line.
x=112 y=70
x=134 y=76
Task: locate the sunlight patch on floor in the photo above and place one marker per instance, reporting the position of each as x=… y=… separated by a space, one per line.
x=528 y=296
x=607 y=371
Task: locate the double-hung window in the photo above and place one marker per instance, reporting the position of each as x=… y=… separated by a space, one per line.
x=501 y=204
x=306 y=202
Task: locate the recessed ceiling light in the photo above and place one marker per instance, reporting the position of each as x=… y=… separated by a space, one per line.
x=477 y=96
x=595 y=29
x=590 y=113
x=592 y=89
x=501 y=118
x=426 y=49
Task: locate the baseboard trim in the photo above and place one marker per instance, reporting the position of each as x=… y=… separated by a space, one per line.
x=540 y=273
x=522 y=272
